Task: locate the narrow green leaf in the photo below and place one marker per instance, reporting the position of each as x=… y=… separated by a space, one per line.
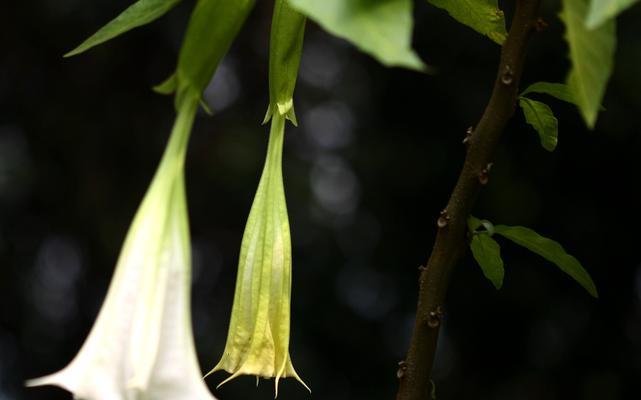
x=542 y=119
x=484 y=16
x=551 y=251
x=559 y=90
x=138 y=14
x=603 y=10
x=487 y=253
x=381 y=28
x=592 y=56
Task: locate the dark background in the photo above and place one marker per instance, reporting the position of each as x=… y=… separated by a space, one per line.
x=376 y=155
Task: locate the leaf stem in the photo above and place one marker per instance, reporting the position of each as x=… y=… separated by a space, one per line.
x=450 y=240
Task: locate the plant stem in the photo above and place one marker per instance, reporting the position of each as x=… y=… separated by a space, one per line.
x=414 y=373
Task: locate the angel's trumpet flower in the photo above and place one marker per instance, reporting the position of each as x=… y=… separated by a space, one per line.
x=258 y=339
x=141 y=345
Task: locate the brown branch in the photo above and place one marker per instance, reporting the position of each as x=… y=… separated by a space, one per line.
x=414 y=373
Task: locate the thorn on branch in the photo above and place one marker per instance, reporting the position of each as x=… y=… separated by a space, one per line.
x=443 y=219
x=507 y=77
x=484 y=175
x=421 y=268
x=402 y=367
x=540 y=25
x=468 y=135
x=434 y=317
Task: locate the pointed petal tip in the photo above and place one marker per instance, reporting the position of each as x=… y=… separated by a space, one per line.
x=291 y=374
x=295 y=377
x=215 y=369
x=44 y=381
x=294 y=374
x=303 y=383
x=56 y=379
x=233 y=376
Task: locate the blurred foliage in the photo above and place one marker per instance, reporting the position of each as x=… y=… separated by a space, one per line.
x=367 y=172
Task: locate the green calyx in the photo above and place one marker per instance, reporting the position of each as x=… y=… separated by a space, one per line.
x=212 y=28
x=285 y=50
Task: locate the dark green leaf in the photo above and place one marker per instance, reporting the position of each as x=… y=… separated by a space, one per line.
x=484 y=16
x=603 y=10
x=381 y=28
x=487 y=254
x=592 y=56
x=551 y=251
x=140 y=13
x=559 y=90
x=542 y=119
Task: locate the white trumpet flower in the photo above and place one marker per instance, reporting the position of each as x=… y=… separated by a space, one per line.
x=141 y=346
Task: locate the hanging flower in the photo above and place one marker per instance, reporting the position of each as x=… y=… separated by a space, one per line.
x=141 y=345
x=258 y=339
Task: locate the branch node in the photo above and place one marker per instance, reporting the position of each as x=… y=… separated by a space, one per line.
x=484 y=175
x=434 y=317
x=468 y=135
x=421 y=279
x=443 y=219
x=540 y=25
x=402 y=367
x=507 y=77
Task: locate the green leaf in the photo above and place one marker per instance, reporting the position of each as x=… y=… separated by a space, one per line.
x=592 y=56
x=542 y=119
x=484 y=16
x=487 y=253
x=559 y=90
x=603 y=10
x=140 y=13
x=551 y=251
x=381 y=28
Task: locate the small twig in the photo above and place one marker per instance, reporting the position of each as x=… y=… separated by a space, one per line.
x=450 y=242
